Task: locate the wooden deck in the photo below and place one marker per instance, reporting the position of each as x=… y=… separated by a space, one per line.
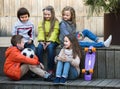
x=5 y=83
x=106 y=74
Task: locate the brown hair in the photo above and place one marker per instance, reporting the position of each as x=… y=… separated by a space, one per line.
x=22 y=11
x=72 y=11
x=52 y=20
x=75 y=46
x=16 y=39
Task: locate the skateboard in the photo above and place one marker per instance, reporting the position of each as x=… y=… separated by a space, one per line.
x=89 y=62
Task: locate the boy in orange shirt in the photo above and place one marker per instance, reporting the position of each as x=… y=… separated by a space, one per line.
x=17 y=65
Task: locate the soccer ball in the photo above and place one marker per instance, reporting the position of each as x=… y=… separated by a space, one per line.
x=28 y=52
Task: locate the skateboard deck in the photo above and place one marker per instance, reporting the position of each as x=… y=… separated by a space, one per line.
x=89 y=62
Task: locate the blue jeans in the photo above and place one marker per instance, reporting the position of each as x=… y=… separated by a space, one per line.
x=50 y=54
x=65 y=69
x=32 y=46
x=90 y=35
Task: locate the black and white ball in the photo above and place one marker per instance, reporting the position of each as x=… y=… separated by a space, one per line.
x=28 y=52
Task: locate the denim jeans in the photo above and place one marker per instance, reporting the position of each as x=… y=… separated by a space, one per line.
x=32 y=46
x=65 y=69
x=93 y=37
x=50 y=54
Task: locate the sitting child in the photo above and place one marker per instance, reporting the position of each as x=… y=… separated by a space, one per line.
x=68 y=26
x=17 y=65
x=68 y=60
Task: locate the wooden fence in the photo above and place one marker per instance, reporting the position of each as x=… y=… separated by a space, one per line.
x=8 y=10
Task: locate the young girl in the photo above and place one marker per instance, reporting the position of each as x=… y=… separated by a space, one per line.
x=68 y=60
x=68 y=26
x=48 y=31
x=17 y=65
x=25 y=28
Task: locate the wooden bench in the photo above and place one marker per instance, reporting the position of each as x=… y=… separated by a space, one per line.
x=106 y=74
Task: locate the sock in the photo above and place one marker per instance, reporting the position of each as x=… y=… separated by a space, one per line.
x=46 y=75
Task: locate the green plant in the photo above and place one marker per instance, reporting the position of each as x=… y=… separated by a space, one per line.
x=107 y=6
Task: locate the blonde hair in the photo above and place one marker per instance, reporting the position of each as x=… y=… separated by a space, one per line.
x=72 y=11
x=52 y=20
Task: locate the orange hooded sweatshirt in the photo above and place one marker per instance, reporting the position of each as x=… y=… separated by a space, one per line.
x=13 y=61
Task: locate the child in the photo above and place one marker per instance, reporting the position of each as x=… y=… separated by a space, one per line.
x=68 y=60
x=48 y=31
x=25 y=28
x=68 y=26
x=17 y=65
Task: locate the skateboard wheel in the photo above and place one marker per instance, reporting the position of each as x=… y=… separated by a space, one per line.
x=83 y=71
x=94 y=49
x=91 y=70
x=86 y=49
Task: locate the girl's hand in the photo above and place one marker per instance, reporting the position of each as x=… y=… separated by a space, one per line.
x=63 y=59
x=46 y=44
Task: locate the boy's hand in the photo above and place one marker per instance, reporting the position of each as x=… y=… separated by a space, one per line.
x=42 y=66
x=29 y=41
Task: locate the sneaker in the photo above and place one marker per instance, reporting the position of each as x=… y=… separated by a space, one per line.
x=56 y=80
x=80 y=36
x=108 y=41
x=63 y=80
x=50 y=78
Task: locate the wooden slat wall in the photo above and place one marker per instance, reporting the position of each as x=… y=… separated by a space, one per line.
x=8 y=10
x=107 y=64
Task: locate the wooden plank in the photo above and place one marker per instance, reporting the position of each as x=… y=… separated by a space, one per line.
x=117 y=64
x=6 y=8
x=101 y=63
x=34 y=5
x=117 y=86
x=27 y=6
x=99 y=26
x=44 y=87
x=95 y=82
x=78 y=5
x=95 y=70
x=27 y=86
x=93 y=25
x=80 y=23
x=110 y=63
x=87 y=23
x=75 y=82
x=104 y=83
x=17 y=6
x=1 y=7
x=3 y=27
x=39 y=8
x=12 y=8
x=84 y=83
x=113 y=83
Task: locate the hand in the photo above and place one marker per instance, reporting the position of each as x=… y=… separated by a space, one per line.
x=42 y=66
x=46 y=44
x=63 y=59
x=29 y=41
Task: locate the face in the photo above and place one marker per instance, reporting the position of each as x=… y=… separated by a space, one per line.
x=21 y=45
x=67 y=43
x=24 y=18
x=66 y=15
x=47 y=14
